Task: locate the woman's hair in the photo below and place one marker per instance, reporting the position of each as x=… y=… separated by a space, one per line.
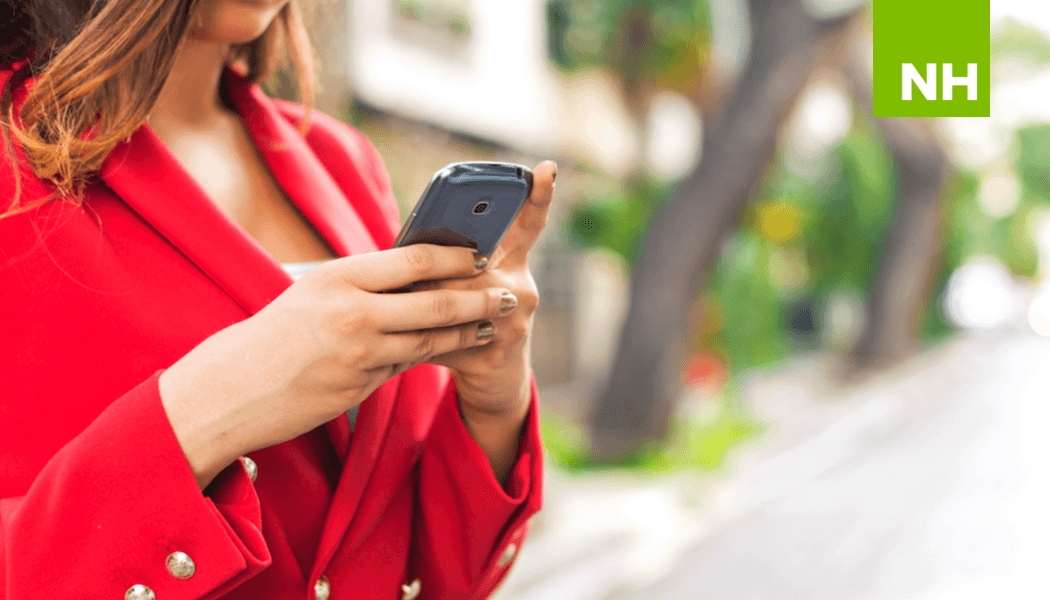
x=98 y=67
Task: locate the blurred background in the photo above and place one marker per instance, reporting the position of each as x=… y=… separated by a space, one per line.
x=785 y=349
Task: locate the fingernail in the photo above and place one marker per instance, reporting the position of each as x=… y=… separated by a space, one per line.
x=480 y=262
x=554 y=176
x=486 y=330
x=507 y=302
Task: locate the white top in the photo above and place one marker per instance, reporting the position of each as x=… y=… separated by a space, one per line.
x=298 y=270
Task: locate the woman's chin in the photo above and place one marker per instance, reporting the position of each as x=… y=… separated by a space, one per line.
x=234 y=23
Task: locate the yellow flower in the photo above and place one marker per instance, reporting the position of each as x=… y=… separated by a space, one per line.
x=779 y=221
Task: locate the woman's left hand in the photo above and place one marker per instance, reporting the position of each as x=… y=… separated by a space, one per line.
x=493 y=380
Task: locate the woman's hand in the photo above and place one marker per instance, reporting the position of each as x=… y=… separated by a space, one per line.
x=493 y=380
x=320 y=348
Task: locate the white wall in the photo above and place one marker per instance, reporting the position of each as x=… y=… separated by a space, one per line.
x=499 y=88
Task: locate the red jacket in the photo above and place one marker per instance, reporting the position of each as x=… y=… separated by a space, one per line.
x=95 y=493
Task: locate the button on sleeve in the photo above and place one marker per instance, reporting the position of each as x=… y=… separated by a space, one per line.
x=180 y=565
x=123 y=490
x=139 y=592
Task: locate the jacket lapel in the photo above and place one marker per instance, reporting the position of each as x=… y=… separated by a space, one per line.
x=144 y=173
x=298 y=171
x=373 y=421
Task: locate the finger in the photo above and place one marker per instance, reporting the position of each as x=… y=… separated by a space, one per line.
x=532 y=218
x=419 y=346
x=400 y=267
x=481 y=282
x=388 y=371
x=440 y=308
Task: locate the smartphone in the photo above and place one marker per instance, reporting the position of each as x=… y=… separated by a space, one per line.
x=469 y=204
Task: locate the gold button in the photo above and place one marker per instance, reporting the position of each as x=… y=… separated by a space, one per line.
x=508 y=554
x=180 y=565
x=411 y=591
x=139 y=592
x=322 y=589
x=251 y=467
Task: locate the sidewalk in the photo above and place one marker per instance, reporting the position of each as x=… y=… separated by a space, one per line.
x=929 y=481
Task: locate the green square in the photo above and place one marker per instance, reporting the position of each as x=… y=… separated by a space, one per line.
x=924 y=32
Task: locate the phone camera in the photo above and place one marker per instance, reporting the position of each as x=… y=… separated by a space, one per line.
x=481 y=207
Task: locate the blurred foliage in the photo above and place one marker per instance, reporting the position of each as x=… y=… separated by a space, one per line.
x=1033 y=161
x=662 y=42
x=806 y=241
x=451 y=16
x=849 y=215
x=803 y=242
x=619 y=223
x=1014 y=40
x=1007 y=235
x=693 y=443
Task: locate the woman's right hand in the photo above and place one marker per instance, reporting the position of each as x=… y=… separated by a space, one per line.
x=320 y=348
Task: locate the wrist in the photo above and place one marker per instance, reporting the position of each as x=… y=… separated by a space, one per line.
x=495 y=420
x=504 y=398
x=195 y=431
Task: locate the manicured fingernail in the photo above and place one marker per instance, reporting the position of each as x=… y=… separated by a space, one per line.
x=486 y=330
x=507 y=302
x=480 y=262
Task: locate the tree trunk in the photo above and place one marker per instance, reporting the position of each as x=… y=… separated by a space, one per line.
x=913 y=248
x=684 y=237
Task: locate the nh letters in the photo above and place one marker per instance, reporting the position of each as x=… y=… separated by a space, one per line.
x=928 y=85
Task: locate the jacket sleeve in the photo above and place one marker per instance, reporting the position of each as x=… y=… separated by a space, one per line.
x=463 y=512
x=114 y=503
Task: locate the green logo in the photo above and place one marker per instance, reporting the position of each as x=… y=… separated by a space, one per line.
x=932 y=58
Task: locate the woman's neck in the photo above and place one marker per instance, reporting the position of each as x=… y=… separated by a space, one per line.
x=191 y=97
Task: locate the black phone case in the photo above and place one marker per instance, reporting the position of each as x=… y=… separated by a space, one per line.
x=469 y=204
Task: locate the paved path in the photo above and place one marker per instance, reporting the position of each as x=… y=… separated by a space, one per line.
x=932 y=481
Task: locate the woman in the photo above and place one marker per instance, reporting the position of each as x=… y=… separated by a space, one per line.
x=151 y=337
